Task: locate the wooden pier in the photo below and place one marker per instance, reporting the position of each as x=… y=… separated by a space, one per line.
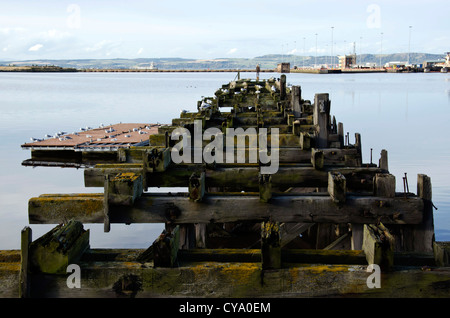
x=315 y=227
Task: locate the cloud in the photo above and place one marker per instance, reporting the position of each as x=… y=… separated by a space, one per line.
x=231 y=51
x=35 y=48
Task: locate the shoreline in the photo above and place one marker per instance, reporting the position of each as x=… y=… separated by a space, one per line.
x=57 y=69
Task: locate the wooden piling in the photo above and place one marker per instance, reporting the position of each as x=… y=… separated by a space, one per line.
x=165 y=248
x=378 y=245
x=265 y=187
x=337 y=187
x=270 y=245
x=321 y=119
x=384 y=185
x=24 y=276
x=295 y=101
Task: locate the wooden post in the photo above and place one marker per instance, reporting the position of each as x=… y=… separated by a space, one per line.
x=283 y=87
x=106 y=222
x=24 y=279
x=270 y=245
x=165 y=248
x=200 y=235
x=296 y=97
x=197 y=186
x=320 y=117
x=305 y=141
x=357 y=236
x=317 y=158
x=378 y=245
x=340 y=132
x=337 y=187
x=424 y=232
x=383 y=162
x=265 y=187
x=124 y=188
x=384 y=185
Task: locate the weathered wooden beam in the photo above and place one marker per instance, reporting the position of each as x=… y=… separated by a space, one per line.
x=290 y=231
x=61 y=246
x=295 y=208
x=246 y=177
x=270 y=245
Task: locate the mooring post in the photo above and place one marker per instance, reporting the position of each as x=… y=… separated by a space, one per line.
x=24 y=279
x=270 y=245
x=320 y=118
x=296 y=97
x=283 y=87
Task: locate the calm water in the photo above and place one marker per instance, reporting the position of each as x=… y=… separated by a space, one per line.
x=407 y=114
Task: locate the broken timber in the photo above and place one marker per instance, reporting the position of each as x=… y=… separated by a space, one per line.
x=323 y=204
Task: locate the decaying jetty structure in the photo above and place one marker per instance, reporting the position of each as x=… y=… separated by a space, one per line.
x=317 y=226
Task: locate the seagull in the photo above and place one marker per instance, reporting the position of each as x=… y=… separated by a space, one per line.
x=48 y=136
x=35 y=139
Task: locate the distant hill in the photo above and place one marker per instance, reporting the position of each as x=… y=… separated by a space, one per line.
x=269 y=61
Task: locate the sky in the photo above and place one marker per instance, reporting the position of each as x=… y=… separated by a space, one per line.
x=198 y=29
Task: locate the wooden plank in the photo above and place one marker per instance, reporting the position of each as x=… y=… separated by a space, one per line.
x=295 y=208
